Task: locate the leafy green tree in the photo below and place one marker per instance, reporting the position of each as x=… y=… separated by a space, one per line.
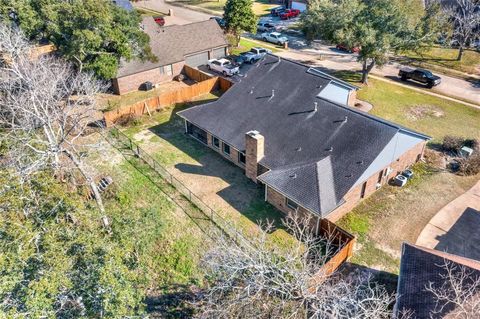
x=55 y=262
x=94 y=34
x=378 y=27
x=239 y=17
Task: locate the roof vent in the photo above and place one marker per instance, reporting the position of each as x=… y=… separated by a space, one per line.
x=348 y=175
x=298 y=149
x=273 y=93
x=251 y=90
x=315 y=108
x=360 y=162
x=345 y=119
x=330 y=149
x=294 y=175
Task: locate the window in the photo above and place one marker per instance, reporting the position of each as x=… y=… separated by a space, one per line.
x=226 y=149
x=241 y=157
x=197 y=132
x=216 y=142
x=166 y=69
x=364 y=188
x=291 y=204
x=380 y=176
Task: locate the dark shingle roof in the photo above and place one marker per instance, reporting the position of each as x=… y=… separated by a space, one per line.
x=327 y=150
x=125 y=4
x=171 y=44
x=421 y=266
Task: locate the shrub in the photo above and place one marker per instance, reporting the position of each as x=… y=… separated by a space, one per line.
x=127 y=119
x=473 y=144
x=452 y=143
x=469 y=166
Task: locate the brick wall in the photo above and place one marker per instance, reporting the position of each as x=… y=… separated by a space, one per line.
x=233 y=157
x=353 y=197
x=133 y=82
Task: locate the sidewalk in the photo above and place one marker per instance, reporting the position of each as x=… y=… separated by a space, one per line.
x=455 y=228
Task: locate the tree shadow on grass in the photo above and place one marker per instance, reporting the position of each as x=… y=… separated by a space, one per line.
x=174 y=301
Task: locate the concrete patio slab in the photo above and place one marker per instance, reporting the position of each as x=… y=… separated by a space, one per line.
x=455 y=228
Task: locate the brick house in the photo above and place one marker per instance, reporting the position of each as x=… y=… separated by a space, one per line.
x=174 y=46
x=290 y=128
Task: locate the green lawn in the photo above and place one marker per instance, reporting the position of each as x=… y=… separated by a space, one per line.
x=260 y=7
x=393 y=215
x=444 y=59
x=422 y=112
x=246 y=45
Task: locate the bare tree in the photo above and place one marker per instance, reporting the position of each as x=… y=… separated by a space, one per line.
x=465 y=18
x=263 y=280
x=458 y=296
x=46 y=107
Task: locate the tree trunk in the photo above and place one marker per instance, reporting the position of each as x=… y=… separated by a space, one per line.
x=366 y=68
x=91 y=182
x=460 y=53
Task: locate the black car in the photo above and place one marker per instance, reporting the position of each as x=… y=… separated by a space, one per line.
x=236 y=60
x=277 y=11
x=420 y=75
x=220 y=21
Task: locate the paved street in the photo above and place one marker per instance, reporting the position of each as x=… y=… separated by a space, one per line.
x=325 y=56
x=180 y=15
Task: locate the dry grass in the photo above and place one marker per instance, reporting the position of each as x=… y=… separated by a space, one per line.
x=394 y=215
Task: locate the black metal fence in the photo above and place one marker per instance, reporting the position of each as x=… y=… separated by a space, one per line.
x=218 y=223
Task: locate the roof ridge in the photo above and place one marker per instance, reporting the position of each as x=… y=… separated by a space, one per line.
x=375 y=118
x=468 y=262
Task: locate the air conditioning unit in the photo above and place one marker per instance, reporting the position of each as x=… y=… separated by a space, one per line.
x=400 y=180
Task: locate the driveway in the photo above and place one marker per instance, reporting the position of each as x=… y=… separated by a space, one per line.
x=455 y=228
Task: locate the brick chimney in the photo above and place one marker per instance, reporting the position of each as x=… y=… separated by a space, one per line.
x=255 y=150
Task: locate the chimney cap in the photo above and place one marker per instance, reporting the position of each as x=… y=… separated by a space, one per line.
x=253 y=133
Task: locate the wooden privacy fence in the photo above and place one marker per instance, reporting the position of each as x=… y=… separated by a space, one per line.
x=205 y=85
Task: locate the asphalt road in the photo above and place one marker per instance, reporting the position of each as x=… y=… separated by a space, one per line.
x=327 y=57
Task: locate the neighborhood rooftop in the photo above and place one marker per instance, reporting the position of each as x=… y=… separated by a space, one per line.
x=316 y=149
x=420 y=267
x=170 y=44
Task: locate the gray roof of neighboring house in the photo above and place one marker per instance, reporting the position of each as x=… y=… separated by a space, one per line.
x=125 y=4
x=421 y=266
x=171 y=44
x=314 y=158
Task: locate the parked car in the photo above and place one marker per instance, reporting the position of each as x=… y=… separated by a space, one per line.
x=223 y=66
x=274 y=37
x=265 y=27
x=221 y=22
x=420 y=75
x=277 y=11
x=236 y=60
x=254 y=54
x=289 y=14
x=345 y=48
x=159 y=20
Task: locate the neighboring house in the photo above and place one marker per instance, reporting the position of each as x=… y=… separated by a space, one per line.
x=125 y=4
x=421 y=267
x=289 y=127
x=174 y=46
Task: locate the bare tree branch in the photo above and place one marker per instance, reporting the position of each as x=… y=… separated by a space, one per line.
x=46 y=108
